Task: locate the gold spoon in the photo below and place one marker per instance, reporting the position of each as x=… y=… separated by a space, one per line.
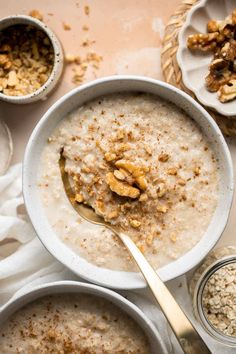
x=186 y=334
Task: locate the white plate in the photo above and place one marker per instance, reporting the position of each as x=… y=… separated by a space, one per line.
x=194 y=64
x=36 y=144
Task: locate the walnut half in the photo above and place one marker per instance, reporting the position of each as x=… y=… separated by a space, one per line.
x=120 y=187
x=137 y=172
x=227 y=92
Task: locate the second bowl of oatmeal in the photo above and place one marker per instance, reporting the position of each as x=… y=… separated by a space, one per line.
x=73 y=317
x=149 y=159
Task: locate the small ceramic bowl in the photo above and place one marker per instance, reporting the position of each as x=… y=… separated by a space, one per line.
x=32 y=195
x=69 y=287
x=194 y=64
x=49 y=85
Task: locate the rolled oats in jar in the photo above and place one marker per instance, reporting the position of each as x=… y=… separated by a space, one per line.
x=213 y=288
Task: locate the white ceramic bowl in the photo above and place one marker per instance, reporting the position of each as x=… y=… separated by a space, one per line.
x=49 y=85
x=194 y=64
x=38 y=139
x=67 y=287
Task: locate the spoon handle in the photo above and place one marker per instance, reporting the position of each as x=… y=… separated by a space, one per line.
x=186 y=334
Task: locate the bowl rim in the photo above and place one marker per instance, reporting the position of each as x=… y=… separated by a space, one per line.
x=32 y=293
x=173 y=269
x=182 y=45
x=57 y=63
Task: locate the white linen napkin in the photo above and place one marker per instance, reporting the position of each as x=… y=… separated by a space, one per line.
x=24 y=263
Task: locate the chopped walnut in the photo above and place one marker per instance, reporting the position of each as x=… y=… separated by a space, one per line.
x=181 y=182
x=100 y=206
x=36 y=14
x=228 y=51
x=79 y=198
x=82 y=64
x=172 y=171
x=227 y=92
x=212 y=26
x=161 y=190
x=110 y=156
x=112 y=215
x=162 y=209
x=12 y=79
x=163 y=157
x=143 y=197
x=87 y=10
x=149 y=240
x=121 y=188
x=27 y=60
x=135 y=223
x=141 y=247
x=197 y=171
x=120 y=134
x=66 y=26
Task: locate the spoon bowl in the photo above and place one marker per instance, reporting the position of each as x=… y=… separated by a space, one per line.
x=186 y=334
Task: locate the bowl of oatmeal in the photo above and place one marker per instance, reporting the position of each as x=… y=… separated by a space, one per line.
x=146 y=157
x=74 y=317
x=31 y=59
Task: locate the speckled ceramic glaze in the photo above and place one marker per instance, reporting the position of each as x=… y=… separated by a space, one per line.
x=49 y=85
x=194 y=64
x=72 y=287
x=33 y=201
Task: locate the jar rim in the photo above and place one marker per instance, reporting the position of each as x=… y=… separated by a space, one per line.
x=198 y=297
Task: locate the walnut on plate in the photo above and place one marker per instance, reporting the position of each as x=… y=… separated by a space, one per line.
x=227 y=92
x=221 y=40
x=219 y=74
x=204 y=42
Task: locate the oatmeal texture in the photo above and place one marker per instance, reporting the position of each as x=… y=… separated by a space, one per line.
x=142 y=164
x=72 y=324
x=219 y=300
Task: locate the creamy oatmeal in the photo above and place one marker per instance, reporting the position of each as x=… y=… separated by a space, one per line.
x=72 y=324
x=141 y=163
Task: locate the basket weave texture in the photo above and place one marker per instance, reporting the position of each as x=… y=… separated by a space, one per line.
x=171 y=70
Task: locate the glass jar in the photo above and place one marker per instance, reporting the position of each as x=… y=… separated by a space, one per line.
x=214 y=262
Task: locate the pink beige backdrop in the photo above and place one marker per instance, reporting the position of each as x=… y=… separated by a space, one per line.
x=126 y=33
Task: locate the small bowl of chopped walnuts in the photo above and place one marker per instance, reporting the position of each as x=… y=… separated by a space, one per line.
x=31 y=59
x=207 y=54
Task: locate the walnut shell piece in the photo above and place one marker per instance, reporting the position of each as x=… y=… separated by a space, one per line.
x=121 y=188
